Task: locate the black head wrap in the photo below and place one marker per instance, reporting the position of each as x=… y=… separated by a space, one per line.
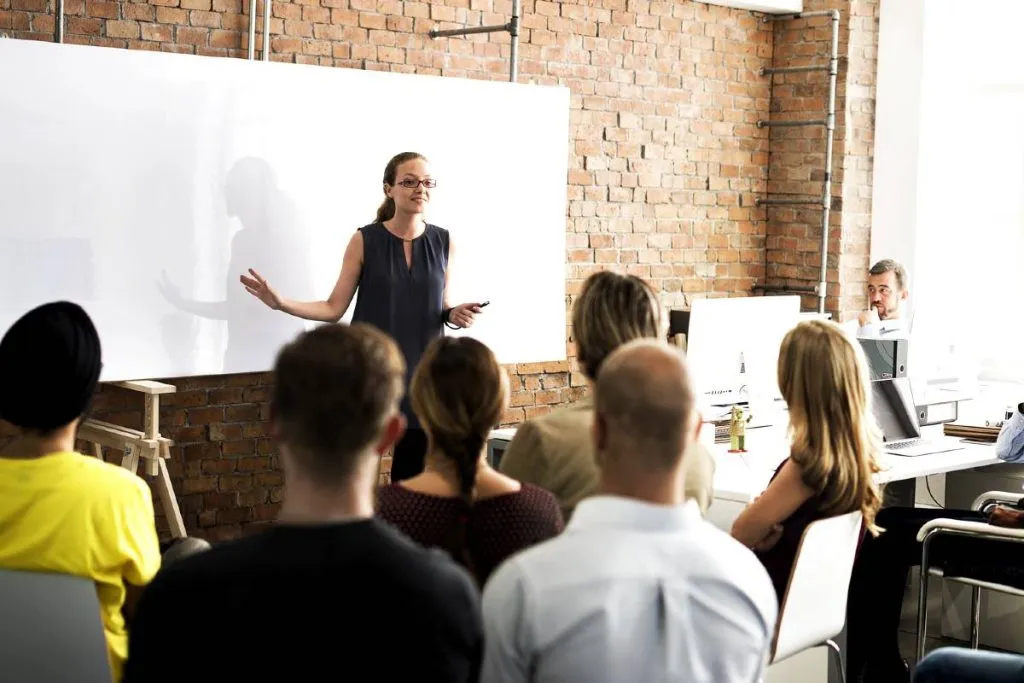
x=50 y=364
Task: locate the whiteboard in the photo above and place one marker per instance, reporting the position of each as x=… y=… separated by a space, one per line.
x=141 y=185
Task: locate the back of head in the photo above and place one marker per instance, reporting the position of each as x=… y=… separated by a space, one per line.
x=50 y=362
x=824 y=379
x=644 y=407
x=459 y=392
x=612 y=309
x=335 y=388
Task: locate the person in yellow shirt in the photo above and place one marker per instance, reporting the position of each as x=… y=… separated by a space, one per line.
x=61 y=511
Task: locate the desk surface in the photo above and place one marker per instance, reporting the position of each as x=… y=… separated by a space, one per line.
x=742 y=476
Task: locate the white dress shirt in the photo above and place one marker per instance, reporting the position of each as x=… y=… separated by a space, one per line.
x=630 y=592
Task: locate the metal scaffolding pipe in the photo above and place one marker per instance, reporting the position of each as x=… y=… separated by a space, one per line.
x=448 y=32
x=791 y=124
x=830 y=127
x=267 y=4
x=58 y=23
x=821 y=289
x=799 y=15
x=779 y=289
x=252 y=29
x=512 y=27
x=781 y=202
x=513 y=30
x=793 y=69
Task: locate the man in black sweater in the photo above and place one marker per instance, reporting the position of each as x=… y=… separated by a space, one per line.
x=328 y=592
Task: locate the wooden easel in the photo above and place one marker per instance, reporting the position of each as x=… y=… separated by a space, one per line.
x=146 y=446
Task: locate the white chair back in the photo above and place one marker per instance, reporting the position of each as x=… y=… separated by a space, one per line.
x=814 y=607
x=51 y=629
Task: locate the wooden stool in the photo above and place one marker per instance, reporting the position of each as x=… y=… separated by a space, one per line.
x=146 y=446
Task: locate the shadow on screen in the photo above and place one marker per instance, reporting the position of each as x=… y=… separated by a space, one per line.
x=271 y=232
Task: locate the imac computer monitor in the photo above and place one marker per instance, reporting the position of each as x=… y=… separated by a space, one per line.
x=732 y=348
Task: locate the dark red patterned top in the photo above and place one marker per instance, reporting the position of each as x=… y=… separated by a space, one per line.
x=498 y=527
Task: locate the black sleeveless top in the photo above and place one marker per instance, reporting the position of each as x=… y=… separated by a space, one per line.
x=404 y=302
x=779 y=560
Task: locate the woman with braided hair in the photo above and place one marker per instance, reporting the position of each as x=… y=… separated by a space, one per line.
x=460 y=503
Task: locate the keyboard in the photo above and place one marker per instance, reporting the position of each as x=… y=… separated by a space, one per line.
x=915 y=447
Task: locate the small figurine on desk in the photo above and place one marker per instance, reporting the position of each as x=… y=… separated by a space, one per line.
x=738 y=430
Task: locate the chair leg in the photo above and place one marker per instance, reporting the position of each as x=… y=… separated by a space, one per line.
x=975 y=616
x=838 y=658
x=922 y=611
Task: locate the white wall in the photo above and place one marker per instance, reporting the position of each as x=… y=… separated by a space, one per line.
x=897 y=123
x=142 y=185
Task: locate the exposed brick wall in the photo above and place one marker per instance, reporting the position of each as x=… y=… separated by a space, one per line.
x=665 y=165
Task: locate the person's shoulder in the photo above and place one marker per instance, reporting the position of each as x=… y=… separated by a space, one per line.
x=429 y=572
x=106 y=479
x=538 y=498
x=565 y=423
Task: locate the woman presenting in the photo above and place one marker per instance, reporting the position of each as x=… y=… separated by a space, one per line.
x=401 y=265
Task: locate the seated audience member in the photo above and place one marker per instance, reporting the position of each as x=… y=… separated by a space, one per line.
x=459 y=503
x=639 y=587
x=1010 y=442
x=328 y=586
x=883 y=563
x=888 y=291
x=960 y=665
x=555 y=451
x=823 y=378
x=61 y=511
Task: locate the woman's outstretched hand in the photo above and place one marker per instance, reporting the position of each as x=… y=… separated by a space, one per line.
x=259 y=288
x=463 y=315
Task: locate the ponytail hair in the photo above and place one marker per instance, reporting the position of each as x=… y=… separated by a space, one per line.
x=386 y=210
x=459 y=392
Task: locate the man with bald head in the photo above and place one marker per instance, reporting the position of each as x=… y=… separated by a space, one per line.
x=639 y=586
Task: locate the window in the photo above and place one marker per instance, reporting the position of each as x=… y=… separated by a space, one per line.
x=967 y=255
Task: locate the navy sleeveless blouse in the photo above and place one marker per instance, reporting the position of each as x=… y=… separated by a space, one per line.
x=405 y=302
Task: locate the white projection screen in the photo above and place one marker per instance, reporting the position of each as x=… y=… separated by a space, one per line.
x=141 y=185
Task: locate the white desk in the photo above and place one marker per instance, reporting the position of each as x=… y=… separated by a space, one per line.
x=741 y=477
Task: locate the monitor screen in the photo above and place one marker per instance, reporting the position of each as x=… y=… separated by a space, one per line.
x=894 y=408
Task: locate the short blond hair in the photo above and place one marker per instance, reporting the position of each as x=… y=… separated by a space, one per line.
x=612 y=309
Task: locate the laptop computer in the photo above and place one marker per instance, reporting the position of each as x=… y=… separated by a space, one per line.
x=896 y=412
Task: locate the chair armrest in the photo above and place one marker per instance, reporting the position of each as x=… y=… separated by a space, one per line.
x=995 y=497
x=974 y=529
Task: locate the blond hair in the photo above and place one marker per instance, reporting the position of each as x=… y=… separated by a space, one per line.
x=824 y=379
x=612 y=309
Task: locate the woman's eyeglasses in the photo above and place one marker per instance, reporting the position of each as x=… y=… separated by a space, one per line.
x=411 y=184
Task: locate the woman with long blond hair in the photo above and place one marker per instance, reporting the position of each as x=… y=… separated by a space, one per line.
x=834 y=443
x=459 y=502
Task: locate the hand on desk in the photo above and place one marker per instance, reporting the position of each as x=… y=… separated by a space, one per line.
x=769 y=541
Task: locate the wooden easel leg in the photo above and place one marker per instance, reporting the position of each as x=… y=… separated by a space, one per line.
x=167 y=499
x=130 y=459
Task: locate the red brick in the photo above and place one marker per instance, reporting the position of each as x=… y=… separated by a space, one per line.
x=123 y=29
x=160 y=32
